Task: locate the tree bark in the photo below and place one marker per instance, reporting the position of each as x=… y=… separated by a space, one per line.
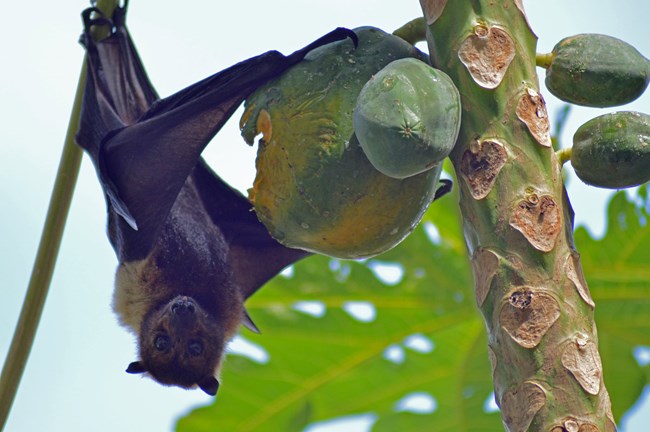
x=518 y=222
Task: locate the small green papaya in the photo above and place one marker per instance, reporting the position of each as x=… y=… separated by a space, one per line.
x=407 y=118
x=315 y=189
x=597 y=71
x=613 y=150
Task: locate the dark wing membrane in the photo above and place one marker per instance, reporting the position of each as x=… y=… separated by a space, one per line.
x=143 y=148
x=116 y=94
x=255 y=256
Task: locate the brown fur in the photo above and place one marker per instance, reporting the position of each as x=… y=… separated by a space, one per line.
x=188 y=263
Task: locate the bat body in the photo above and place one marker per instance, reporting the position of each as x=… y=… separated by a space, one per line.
x=182 y=300
x=189 y=247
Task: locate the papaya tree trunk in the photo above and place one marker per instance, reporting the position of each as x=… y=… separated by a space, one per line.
x=518 y=222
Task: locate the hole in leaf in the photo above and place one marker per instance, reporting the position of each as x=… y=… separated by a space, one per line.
x=636 y=419
x=395 y=354
x=361 y=310
x=432 y=233
x=490 y=404
x=642 y=355
x=359 y=422
x=419 y=343
x=417 y=403
x=340 y=269
x=387 y=272
x=288 y=272
x=314 y=308
x=245 y=348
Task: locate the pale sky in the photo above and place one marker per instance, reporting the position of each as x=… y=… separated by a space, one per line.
x=74 y=380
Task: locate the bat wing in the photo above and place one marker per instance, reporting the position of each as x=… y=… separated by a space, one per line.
x=144 y=148
x=254 y=255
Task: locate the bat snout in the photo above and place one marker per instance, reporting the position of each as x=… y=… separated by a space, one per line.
x=183 y=306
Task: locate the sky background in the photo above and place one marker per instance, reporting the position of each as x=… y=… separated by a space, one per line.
x=74 y=379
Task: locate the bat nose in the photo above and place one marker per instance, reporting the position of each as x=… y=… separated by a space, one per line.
x=183 y=306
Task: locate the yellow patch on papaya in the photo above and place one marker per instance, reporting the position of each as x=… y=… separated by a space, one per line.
x=264 y=125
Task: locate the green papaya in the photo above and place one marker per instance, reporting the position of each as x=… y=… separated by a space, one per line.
x=597 y=71
x=613 y=150
x=315 y=189
x=407 y=118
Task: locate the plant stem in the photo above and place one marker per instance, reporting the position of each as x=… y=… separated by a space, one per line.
x=47 y=253
x=544 y=60
x=44 y=264
x=564 y=155
x=413 y=31
x=518 y=223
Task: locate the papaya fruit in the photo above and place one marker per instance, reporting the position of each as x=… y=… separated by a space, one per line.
x=315 y=189
x=597 y=71
x=613 y=150
x=407 y=118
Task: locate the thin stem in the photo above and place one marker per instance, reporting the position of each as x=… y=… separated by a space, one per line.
x=48 y=250
x=44 y=264
x=544 y=60
x=564 y=155
x=413 y=31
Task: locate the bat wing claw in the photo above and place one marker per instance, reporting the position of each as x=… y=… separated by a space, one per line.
x=444 y=189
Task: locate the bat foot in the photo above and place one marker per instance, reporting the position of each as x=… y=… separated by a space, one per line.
x=444 y=189
x=94 y=17
x=338 y=34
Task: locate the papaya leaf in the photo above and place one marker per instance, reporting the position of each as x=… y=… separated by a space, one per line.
x=616 y=268
x=417 y=334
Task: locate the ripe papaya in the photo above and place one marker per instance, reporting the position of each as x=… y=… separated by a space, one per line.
x=613 y=150
x=597 y=71
x=315 y=189
x=407 y=118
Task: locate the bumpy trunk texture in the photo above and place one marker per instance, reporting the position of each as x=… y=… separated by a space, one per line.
x=518 y=222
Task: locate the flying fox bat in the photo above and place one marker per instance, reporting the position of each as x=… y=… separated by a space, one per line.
x=189 y=247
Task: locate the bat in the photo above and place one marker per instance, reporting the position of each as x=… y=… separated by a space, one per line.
x=190 y=249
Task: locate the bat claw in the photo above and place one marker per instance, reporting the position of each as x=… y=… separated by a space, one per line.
x=338 y=34
x=98 y=19
x=347 y=33
x=93 y=16
x=249 y=324
x=444 y=189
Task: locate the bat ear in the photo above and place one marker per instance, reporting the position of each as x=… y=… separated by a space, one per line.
x=248 y=323
x=136 y=367
x=210 y=385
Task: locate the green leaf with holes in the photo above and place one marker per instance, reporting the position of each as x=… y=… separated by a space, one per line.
x=421 y=335
x=617 y=270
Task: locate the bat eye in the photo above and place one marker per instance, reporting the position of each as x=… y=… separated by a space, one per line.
x=195 y=348
x=162 y=343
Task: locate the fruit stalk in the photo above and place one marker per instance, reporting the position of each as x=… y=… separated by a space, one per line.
x=518 y=222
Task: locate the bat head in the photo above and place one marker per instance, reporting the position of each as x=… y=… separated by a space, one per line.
x=180 y=344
